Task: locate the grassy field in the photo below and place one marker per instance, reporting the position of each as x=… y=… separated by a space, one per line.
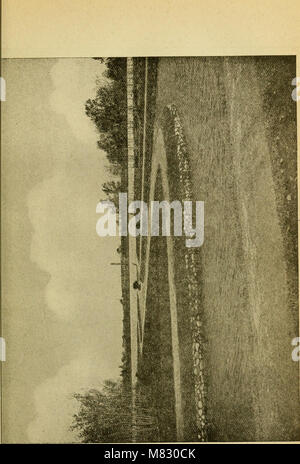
x=240 y=126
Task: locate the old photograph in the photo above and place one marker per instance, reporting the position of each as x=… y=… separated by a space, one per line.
x=150 y=250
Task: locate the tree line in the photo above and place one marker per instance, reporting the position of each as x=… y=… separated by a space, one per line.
x=108 y=111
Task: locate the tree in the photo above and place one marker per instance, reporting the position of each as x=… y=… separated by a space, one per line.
x=108 y=110
x=108 y=416
x=104 y=416
x=112 y=190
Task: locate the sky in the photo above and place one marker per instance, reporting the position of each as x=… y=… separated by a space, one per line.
x=61 y=313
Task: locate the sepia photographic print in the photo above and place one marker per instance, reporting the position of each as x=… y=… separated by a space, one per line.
x=150 y=250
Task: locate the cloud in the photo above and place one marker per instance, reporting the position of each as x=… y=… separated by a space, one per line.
x=65 y=244
x=54 y=402
x=73 y=86
x=62 y=208
x=83 y=290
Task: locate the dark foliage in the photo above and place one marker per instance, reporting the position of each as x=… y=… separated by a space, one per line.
x=108 y=110
x=104 y=416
